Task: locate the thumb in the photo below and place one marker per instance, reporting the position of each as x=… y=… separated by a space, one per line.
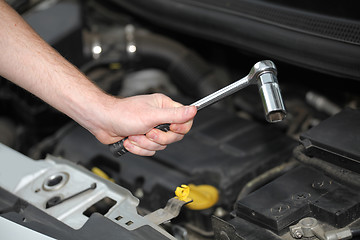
x=176 y=115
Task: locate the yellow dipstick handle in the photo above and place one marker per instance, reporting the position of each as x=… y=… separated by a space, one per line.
x=182 y=193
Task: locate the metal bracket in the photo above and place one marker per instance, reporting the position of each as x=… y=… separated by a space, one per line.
x=171 y=210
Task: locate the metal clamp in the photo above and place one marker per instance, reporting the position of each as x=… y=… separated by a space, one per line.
x=307 y=227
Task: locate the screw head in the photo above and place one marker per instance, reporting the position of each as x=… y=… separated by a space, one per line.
x=279 y=209
x=297 y=234
x=321 y=184
x=300 y=197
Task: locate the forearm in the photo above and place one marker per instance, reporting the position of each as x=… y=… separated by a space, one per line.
x=32 y=64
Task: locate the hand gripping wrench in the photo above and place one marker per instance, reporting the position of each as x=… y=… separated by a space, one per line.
x=263 y=74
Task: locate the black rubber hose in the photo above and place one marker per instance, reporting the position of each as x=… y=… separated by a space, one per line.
x=189 y=72
x=338 y=173
x=355 y=232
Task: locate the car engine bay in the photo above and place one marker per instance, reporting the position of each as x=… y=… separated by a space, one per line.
x=249 y=179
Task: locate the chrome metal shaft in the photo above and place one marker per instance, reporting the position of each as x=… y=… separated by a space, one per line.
x=222 y=93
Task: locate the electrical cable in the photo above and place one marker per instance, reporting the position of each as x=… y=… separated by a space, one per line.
x=338 y=173
x=265 y=177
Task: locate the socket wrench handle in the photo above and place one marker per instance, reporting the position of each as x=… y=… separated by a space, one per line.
x=118 y=149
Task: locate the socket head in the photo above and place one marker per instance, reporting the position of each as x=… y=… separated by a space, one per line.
x=264 y=75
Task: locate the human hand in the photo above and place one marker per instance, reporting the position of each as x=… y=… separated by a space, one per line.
x=136 y=118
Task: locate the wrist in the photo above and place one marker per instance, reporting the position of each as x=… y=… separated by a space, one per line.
x=92 y=112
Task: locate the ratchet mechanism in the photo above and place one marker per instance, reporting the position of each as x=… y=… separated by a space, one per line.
x=263 y=74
